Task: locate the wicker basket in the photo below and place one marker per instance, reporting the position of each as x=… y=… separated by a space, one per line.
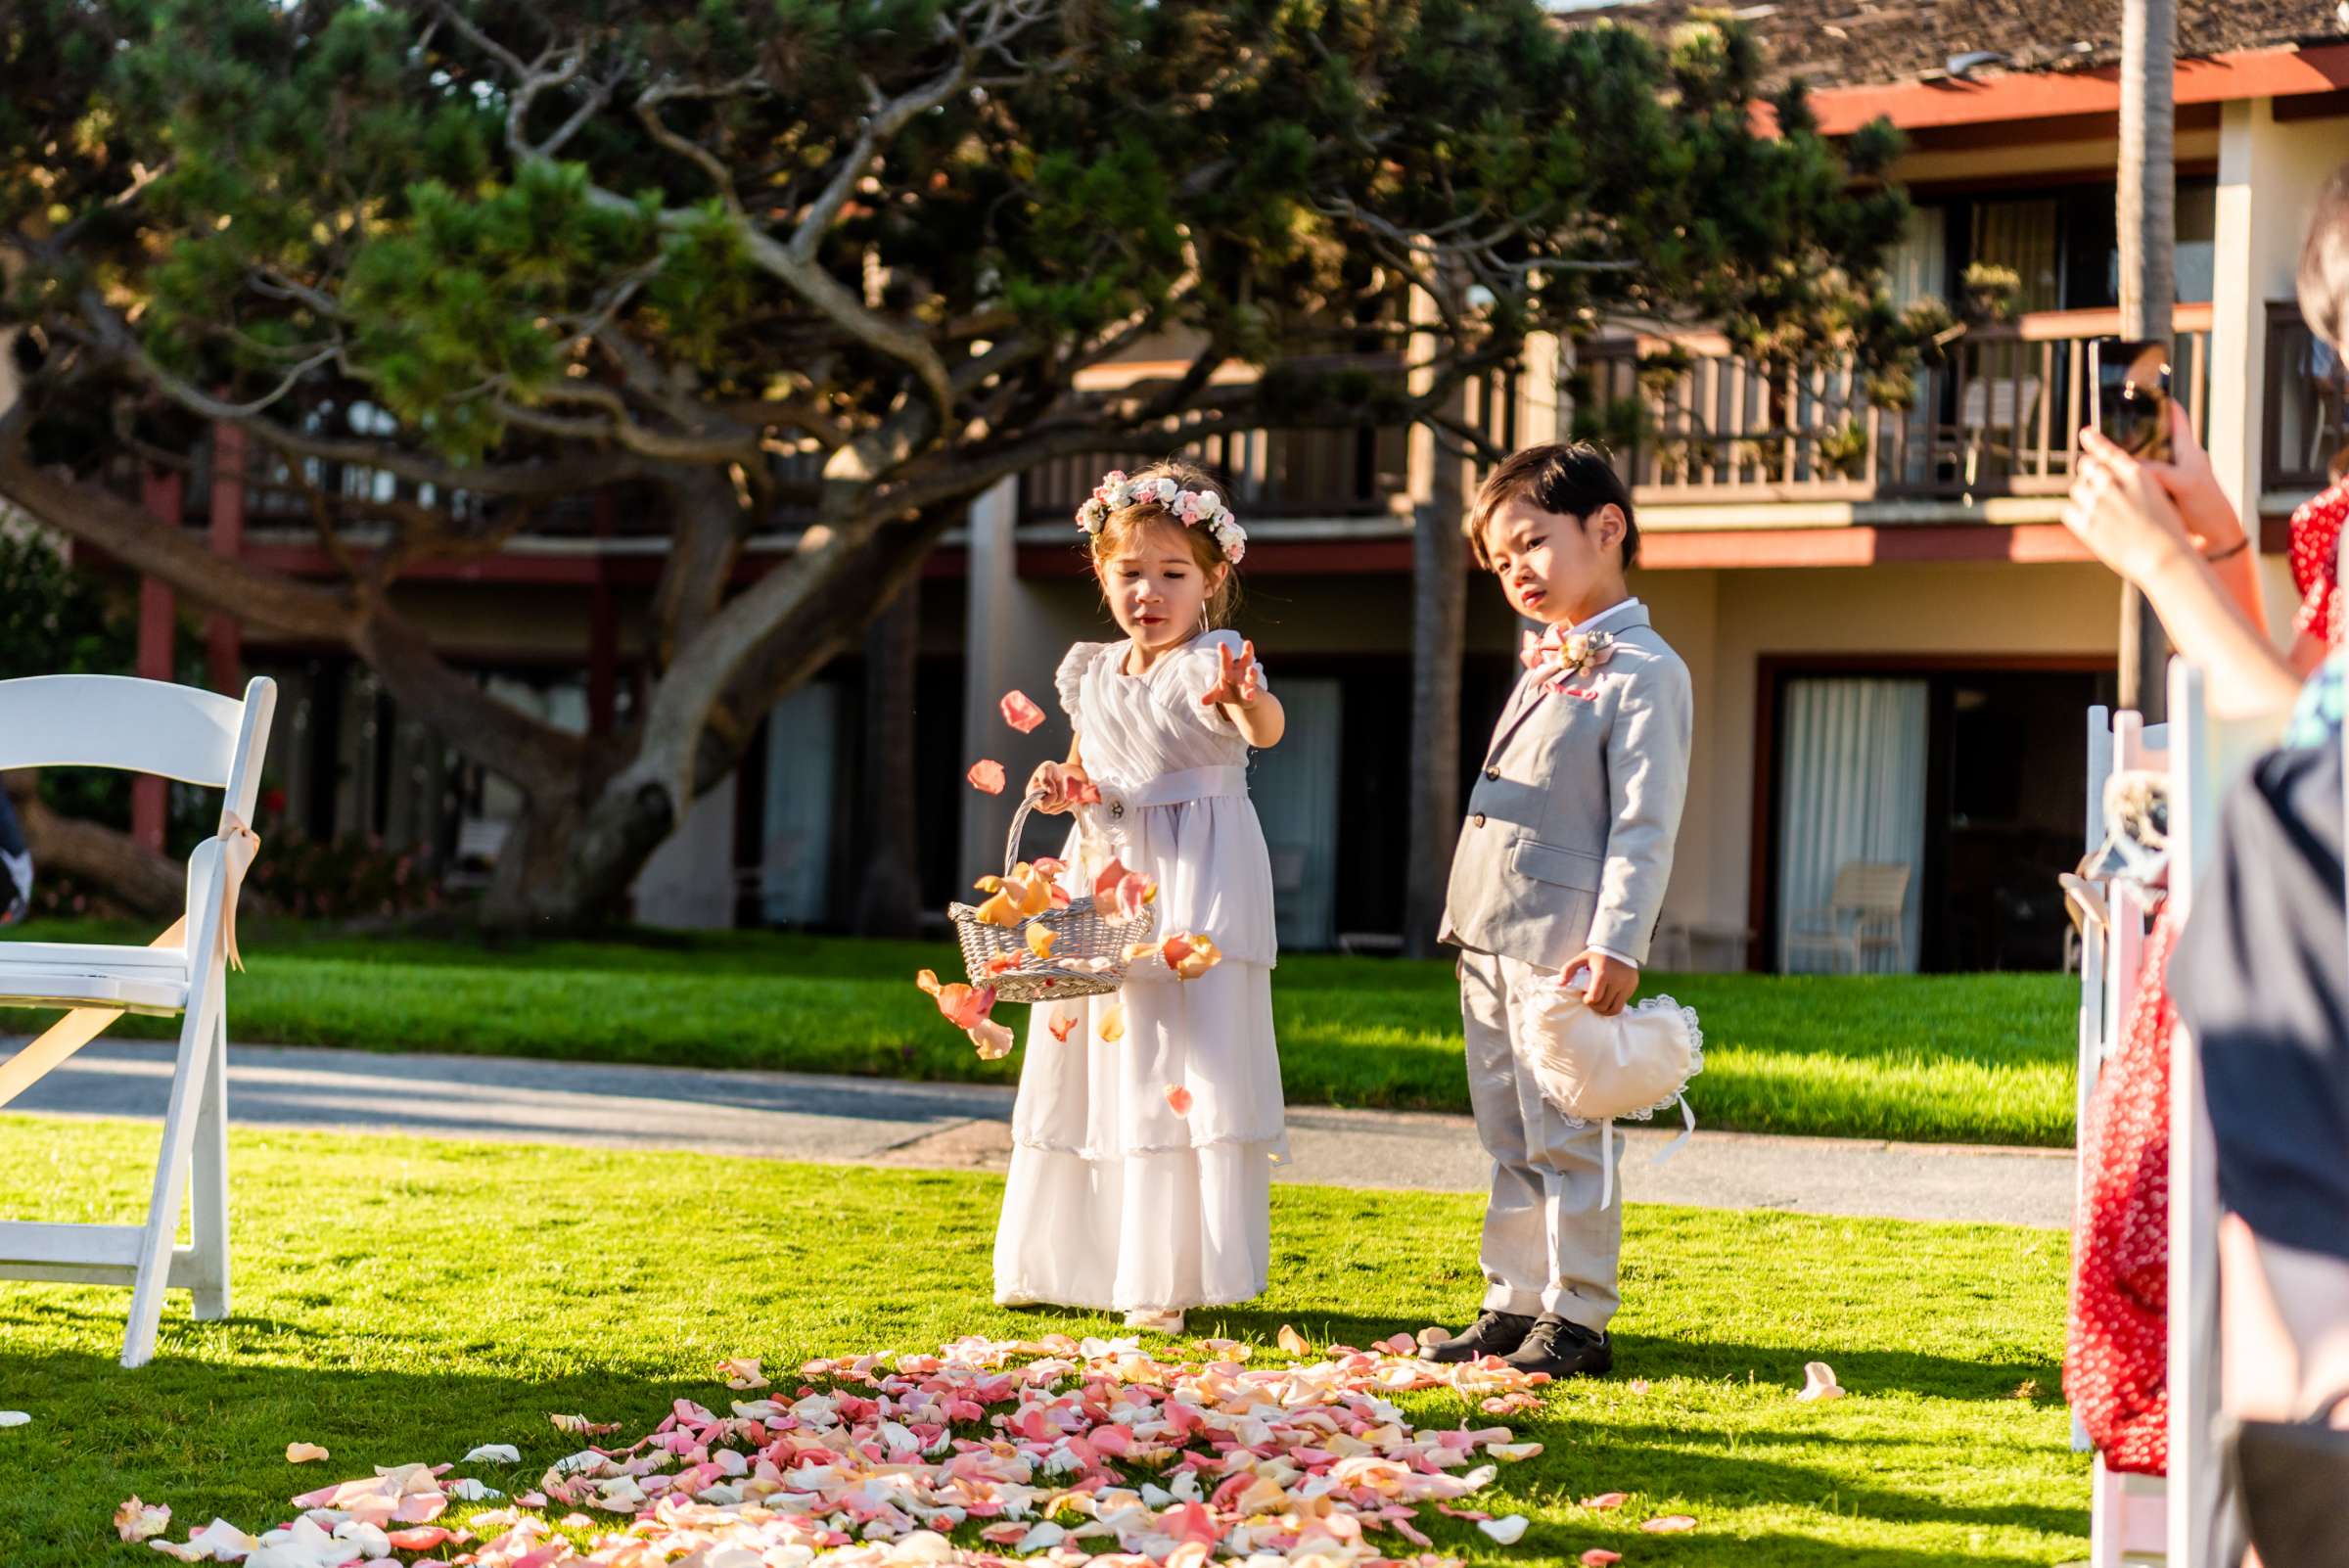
x=1083 y=932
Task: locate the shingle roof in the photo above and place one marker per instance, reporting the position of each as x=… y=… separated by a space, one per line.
x=1837 y=43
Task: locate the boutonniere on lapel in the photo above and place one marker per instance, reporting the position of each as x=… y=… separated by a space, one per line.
x=1559 y=656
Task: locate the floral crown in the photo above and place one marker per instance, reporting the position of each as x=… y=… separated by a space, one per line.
x=1192 y=508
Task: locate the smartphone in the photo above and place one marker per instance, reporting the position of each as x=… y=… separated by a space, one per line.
x=2132 y=395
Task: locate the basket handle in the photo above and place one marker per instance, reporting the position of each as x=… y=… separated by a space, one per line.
x=1018 y=820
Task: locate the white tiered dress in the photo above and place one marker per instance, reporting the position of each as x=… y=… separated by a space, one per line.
x=1114 y=1200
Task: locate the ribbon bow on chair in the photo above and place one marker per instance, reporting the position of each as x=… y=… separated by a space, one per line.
x=239 y=847
x=1561 y=655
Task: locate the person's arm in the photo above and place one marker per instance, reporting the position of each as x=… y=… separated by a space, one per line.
x=1253 y=711
x=2121 y=509
x=1647 y=783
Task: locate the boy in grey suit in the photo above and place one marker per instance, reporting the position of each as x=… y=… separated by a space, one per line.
x=1559 y=875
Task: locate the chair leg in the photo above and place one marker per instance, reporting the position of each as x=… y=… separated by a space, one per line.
x=208 y=1201
x=170 y=1167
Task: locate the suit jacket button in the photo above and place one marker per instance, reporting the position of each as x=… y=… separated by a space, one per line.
x=1491 y=772
x=1479 y=820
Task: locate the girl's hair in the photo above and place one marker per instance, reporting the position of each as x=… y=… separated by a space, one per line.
x=2323 y=276
x=1125 y=522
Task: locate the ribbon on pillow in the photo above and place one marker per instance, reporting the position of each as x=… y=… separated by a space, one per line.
x=239 y=844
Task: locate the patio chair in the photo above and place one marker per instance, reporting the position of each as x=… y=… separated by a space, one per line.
x=201 y=738
x=1864 y=916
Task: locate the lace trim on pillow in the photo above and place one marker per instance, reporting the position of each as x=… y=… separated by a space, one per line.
x=1696 y=1062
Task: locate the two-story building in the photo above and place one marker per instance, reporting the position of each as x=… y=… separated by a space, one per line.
x=1892 y=635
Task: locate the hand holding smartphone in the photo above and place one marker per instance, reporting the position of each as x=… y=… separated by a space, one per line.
x=2132 y=395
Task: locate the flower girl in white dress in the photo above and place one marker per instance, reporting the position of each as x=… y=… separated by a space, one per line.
x=1141 y=1161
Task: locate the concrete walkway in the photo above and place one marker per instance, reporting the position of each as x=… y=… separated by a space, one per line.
x=875 y=1120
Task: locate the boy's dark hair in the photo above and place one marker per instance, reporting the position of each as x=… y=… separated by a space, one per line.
x=1571 y=479
x=2324 y=275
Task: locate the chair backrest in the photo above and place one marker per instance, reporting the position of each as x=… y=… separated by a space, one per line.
x=1997 y=404
x=2207 y=754
x=140 y=726
x=1874 y=887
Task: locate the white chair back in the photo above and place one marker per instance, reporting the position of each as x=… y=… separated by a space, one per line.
x=2209 y=754
x=139 y=726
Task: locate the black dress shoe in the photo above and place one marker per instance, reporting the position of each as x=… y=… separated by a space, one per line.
x=1563 y=1350
x=1491 y=1334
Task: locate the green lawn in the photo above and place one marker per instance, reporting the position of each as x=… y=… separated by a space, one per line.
x=1967 y=1058
x=403 y=1300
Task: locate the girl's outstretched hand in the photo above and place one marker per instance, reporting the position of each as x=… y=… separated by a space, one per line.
x=1236 y=678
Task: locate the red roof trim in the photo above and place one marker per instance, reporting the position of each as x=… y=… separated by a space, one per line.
x=2038 y=95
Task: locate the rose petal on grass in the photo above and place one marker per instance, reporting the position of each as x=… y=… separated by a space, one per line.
x=741 y=1372
x=1178 y=1100
x=986 y=776
x=581 y=1426
x=304 y=1454
x=1019 y=711
x=494 y=1453
x=1505 y=1531
x=1598 y=1557
x=1637 y=1385
x=1818 y=1382
x=141 y=1521
x=1432 y=1335
x=1670 y=1524
x=1292 y=1342
x=1606 y=1501
x=422 y=1537
x=14 y=1419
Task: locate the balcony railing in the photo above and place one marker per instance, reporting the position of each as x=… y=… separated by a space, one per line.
x=1997 y=416
x=1283 y=473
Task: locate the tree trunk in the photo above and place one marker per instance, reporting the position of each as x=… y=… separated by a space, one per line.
x=1438 y=626
x=2147 y=221
x=889 y=899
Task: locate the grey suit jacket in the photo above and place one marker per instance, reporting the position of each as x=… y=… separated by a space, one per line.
x=1569 y=835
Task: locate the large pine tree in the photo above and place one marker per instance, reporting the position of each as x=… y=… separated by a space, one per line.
x=742 y=259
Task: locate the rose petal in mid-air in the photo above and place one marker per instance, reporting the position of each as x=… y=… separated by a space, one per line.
x=1112 y=1025
x=986 y=776
x=1190 y=955
x=1063 y=1021
x=994 y=1039
x=963 y=1006
x=1178 y=1100
x=1019 y=711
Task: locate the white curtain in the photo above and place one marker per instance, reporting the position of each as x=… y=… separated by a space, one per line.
x=1852 y=788
x=795 y=865
x=1295 y=787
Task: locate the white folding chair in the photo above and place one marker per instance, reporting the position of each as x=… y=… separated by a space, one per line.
x=2125 y=1510
x=2208 y=755
x=197 y=737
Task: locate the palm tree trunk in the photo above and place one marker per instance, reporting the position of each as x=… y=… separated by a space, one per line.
x=2147 y=224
